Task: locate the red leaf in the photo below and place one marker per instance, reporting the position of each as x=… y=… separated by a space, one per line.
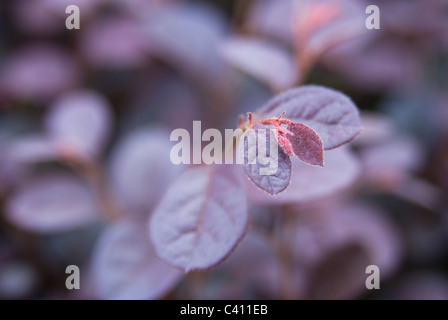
x=306 y=144
x=285 y=144
x=314 y=183
x=330 y=113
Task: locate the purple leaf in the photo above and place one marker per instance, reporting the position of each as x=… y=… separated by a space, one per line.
x=201 y=218
x=306 y=144
x=52 y=203
x=144 y=9
x=30 y=149
x=38 y=72
x=115 y=42
x=187 y=37
x=263 y=60
x=321 y=25
x=313 y=183
x=400 y=154
x=141 y=169
x=35 y=18
x=376 y=129
x=315 y=25
x=87 y=7
x=47 y=17
x=388 y=165
x=330 y=113
x=273 y=19
x=11 y=172
x=125 y=265
x=372 y=65
x=278 y=166
x=81 y=121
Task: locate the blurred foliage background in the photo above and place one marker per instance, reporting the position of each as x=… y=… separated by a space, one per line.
x=85 y=117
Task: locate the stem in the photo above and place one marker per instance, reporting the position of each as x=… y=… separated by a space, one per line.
x=92 y=172
x=420 y=193
x=278 y=238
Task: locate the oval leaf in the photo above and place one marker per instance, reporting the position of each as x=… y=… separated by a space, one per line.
x=272 y=183
x=114 y=42
x=273 y=19
x=32 y=149
x=201 y=218
x=262 y=60
x=187 y=37
x=141 y=170
x=38 y=72
x=321 y=25
x=330 y=113
x=376 y=129
x=313 y=183
x=52 y=203
x=306 y=144
x=125 y=265
x=80 y=120
x=398 y=154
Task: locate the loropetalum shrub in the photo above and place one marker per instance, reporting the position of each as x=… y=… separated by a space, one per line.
x=204 y=214
x=162 y=219
x=85 y=148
